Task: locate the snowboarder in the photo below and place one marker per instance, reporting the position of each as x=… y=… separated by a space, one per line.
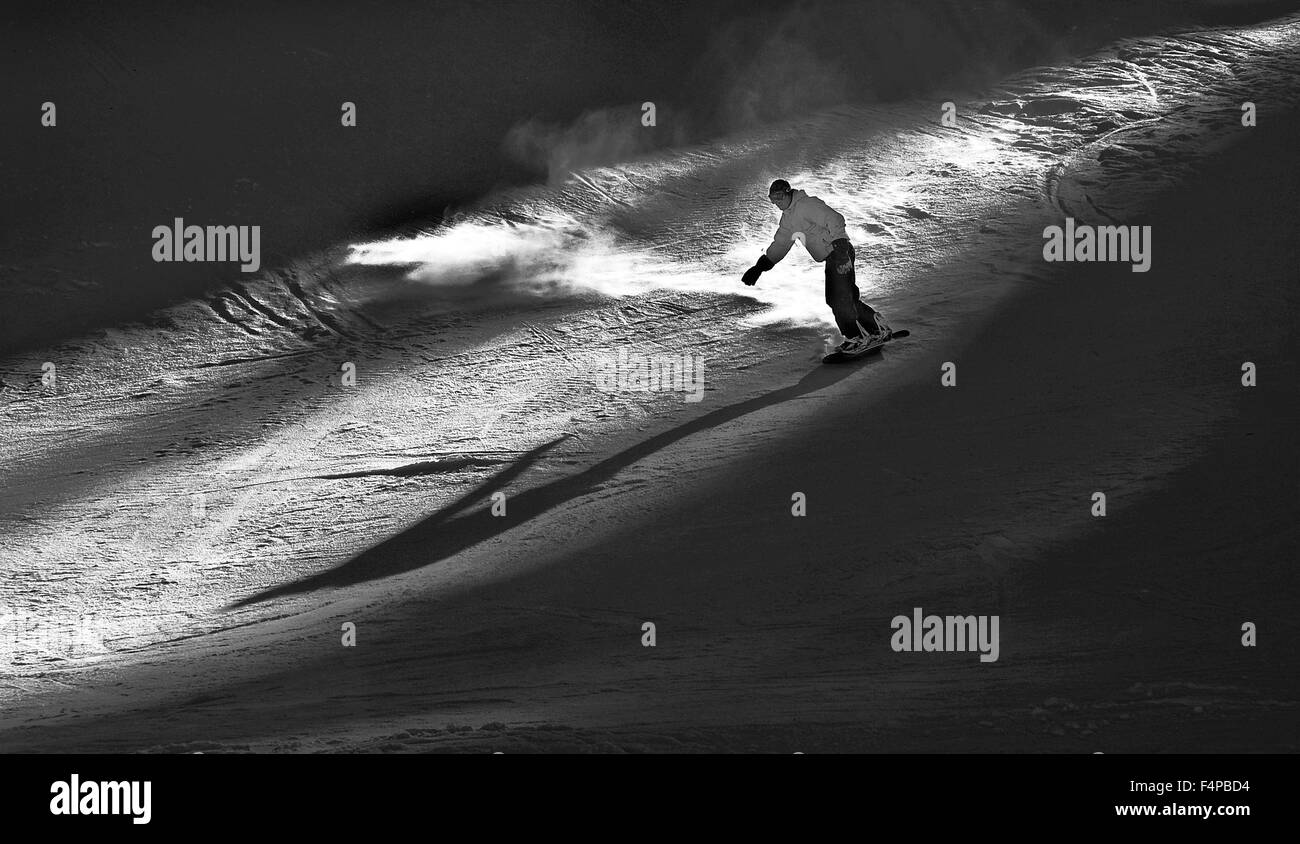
x=821 y=230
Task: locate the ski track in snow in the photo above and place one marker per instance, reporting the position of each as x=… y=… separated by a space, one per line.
x=475 y=343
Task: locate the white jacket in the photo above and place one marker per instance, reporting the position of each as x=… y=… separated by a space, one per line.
x=818 y=223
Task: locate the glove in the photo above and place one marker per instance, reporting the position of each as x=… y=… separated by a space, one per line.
x=751 y=275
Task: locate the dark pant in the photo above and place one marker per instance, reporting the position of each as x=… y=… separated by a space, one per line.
x=842 y=293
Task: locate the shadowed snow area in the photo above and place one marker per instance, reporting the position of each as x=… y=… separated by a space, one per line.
x=218 y=466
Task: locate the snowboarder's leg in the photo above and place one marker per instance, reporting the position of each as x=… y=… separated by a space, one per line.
x=852 y=315
x=870 y=319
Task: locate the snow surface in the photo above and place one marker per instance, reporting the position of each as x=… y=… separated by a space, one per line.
x=475 y=347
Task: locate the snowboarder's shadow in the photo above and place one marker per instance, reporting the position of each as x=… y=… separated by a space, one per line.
x=448 y=532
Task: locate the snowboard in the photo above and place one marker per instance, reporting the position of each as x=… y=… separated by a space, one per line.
x=840 y=357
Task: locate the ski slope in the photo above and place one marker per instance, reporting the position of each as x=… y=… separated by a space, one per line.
x=211 y=472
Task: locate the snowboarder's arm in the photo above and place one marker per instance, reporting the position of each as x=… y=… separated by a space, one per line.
x=781 y=241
